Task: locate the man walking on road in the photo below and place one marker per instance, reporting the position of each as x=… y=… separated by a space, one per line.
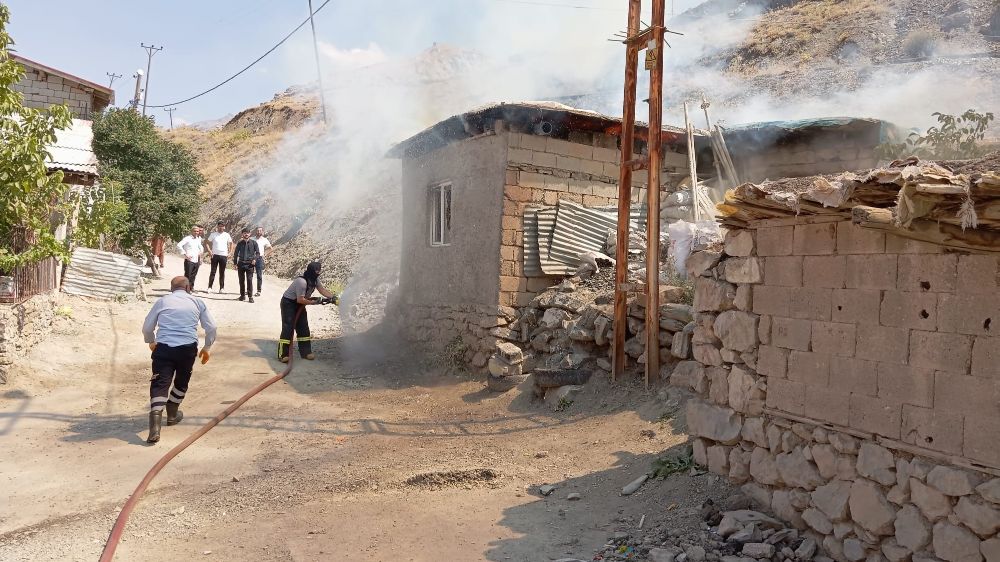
x=220 y=244
x=171 y=330
x=245 y=259
x=265 y=248
x=190 y=247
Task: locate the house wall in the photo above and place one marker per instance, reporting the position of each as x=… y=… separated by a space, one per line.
x=826 y=152
x=857 y=394
x=42 y=90
x=452 y=291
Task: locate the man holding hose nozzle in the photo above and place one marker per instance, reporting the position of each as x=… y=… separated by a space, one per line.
x=174 y=318
x=299 y=293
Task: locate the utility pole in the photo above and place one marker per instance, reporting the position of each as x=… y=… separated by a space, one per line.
x=138 y=90
x=150 y=51
x=171 y=111
x=319 y=72
x=112 y=76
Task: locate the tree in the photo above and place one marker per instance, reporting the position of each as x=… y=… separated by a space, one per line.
x=955 y=138
x=29 y=195
x=157 y=178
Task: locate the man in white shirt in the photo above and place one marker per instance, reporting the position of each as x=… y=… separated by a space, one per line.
x=265 y=248
x=190 y=247
x=220 y=244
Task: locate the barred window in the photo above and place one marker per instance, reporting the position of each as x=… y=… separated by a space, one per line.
x=439 y=202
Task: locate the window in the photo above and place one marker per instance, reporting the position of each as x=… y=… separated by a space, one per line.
x=439 y=201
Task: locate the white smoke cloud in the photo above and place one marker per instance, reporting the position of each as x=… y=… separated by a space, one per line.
x=351 y=58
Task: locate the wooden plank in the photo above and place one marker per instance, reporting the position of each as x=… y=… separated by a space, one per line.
x=653 y=196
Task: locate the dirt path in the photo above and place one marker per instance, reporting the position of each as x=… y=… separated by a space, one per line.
x=368 y=453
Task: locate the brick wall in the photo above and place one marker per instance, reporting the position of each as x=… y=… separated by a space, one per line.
x=874 y=378
x=42 y=90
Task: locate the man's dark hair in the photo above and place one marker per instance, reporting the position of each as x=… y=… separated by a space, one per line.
x=245 y=231
x=220 y=223
x=197 y=226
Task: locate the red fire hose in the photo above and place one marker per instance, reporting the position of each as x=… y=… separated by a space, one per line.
x=116 y=532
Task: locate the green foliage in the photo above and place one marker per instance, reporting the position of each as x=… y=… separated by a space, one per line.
x=102 y=211
x=454 y=352
x=158 y=178
x=665 y=466
x=29 y=196
x=955 y=138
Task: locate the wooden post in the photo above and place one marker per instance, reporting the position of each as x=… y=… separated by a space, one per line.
x=653 y=198
x=625 y=191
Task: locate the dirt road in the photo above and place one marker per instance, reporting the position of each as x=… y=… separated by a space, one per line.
x=368 y=453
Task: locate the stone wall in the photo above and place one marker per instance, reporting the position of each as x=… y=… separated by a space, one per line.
x=22 y=326
x=853 y=387
x=42 y=90
x=467 y=331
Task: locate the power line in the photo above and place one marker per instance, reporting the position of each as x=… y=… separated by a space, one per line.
x=249 y=66
x=150 y=51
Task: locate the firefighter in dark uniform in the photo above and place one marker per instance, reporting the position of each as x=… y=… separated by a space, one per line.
x=299 y=294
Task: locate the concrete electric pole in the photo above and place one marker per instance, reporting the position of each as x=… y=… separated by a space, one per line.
x=150 y=51
x=319 y=72
x=171 y=111
x=138 y=90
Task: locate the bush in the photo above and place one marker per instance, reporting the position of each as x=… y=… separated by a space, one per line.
x=920 y=44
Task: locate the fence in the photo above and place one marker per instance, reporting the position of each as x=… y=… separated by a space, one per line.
x=24 y=282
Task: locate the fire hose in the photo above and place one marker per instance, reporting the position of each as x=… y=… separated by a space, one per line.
x=116 y=532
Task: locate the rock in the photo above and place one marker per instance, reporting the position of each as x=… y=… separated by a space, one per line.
x=581 y=334
x=818 y=521
x=739 y=243
x=876 y=463
x=564 y=301
x=758 y=550
x=990 y=549
x=670 y=294
x=604 y=364
x=753 y=428
x=480 y=359
x=750 y=533
x=893 y=552
x=783 y=505
x=707 y=355
x=744 y=517
x=661 y=555
x=699 y=451
x=602 y=331
x=505 y=382
x=501 y=368
x=796 y=471
x=899 y=495
x=546 y=489
x=742 y=270
x=574 y=496
x=844 y=443
x=671 y=325
x=674 y=311
x=680 y=346
x=978 y=516
x=834 y=547
x=718 y=389
x=912 y=530
x=826 y=460
x=554 y=318
x=854 y=550
x=700 y=262
x=759 y=495
x=737 y=330
x=951 y=481
x=870 y=509
x=718 y=460
x=832 y=499
x=789 y=441
x=711 y=295
x=763 y=467
x=955 y=544
x=990 y=491
x=633 y=486
x=713 y=422
x=695 y=554
x=932 y=503
x=739 y=465
x=691 y=375
x=540 y=342
x=560 y=397
x=744 y=297
x=774 y=438
x=806 y=550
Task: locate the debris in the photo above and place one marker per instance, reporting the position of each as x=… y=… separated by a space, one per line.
x=758 y=550
x=634 y=485
x=574 y=496
x=642 y=520
x=546 y=489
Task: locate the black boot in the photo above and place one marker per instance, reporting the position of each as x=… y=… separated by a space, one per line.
x=174 y=414
x=155 y=418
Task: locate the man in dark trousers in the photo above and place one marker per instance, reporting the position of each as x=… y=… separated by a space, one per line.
x=245 y=258
x=171 y=330
x=220 y=245
x=191 y=247
x=300 y=293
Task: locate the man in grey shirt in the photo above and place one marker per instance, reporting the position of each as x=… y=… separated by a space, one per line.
x=299 y=294
x=171 y=330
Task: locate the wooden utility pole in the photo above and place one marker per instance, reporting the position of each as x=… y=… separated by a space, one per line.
x=150 y=51
x=171 y=111
x=652 y=40
x=319 y=71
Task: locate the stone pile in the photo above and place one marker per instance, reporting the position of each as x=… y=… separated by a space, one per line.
x=507 y=368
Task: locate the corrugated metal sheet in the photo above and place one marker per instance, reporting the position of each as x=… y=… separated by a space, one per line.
x=93 y=273
x=546 y=224
x=72 y=150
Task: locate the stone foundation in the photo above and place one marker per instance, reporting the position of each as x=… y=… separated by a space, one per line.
x=22 y=326
x=466 y=329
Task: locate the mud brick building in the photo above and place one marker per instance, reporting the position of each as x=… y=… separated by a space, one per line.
x=44 y=86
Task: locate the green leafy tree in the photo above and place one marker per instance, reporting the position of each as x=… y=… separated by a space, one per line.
x=956 y=137
x=103 y=218
x=29 y=196
x=158 y=179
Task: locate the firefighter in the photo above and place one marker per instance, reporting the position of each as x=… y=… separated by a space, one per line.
x=299 y=294
x=175 y=318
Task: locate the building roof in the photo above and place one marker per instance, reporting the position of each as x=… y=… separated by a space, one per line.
x=72 y=150
x=771 y=131
x=104 y=91
x=481 y=119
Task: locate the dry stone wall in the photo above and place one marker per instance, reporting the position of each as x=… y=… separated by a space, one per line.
x=464 y=332
x=22 y=326
x=849 y=379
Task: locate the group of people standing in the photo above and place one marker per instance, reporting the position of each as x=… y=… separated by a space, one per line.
x=249 y=255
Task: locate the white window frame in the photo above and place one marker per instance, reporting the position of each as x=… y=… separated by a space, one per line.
x=441 y=204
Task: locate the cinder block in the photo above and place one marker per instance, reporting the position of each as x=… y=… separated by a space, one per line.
x=815 y=239
x=607 y=155
x=857 y=375
x=569 y=163
x=951 y=353
x=834 y=338
x=509 y=283
x=973 y=396
x=592 y=167
x=775 y=241
x=543 y=159
x=531 y=179
x=875 y=415
x=571 y=149
x=879 y=343
x=771 y=300
x=977 y=275
x=786 y=395
x=556 y=183
x=811 y=303
x=874 y=271
x=902 y=309
x=605 y=190
x=772 y=361
x=933 y=429
x=969 y=314
x=853 y=239
x=938 y=273
x=783 y=271
x=909 y=385
x=810 y=368
x=532 y=142
x=594 y=201
x=828 y=404
x=856 y=306
x=612 y=170
x=899 y=245
x=550 y=197
x=986 y=357
x=980 y=440
x=791 y=333
x=824 y=271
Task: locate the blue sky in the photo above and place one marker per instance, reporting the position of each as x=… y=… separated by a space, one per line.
x=205 y=41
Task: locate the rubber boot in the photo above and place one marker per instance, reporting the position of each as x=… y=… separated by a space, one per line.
x=155 y=419
x=174 y=413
